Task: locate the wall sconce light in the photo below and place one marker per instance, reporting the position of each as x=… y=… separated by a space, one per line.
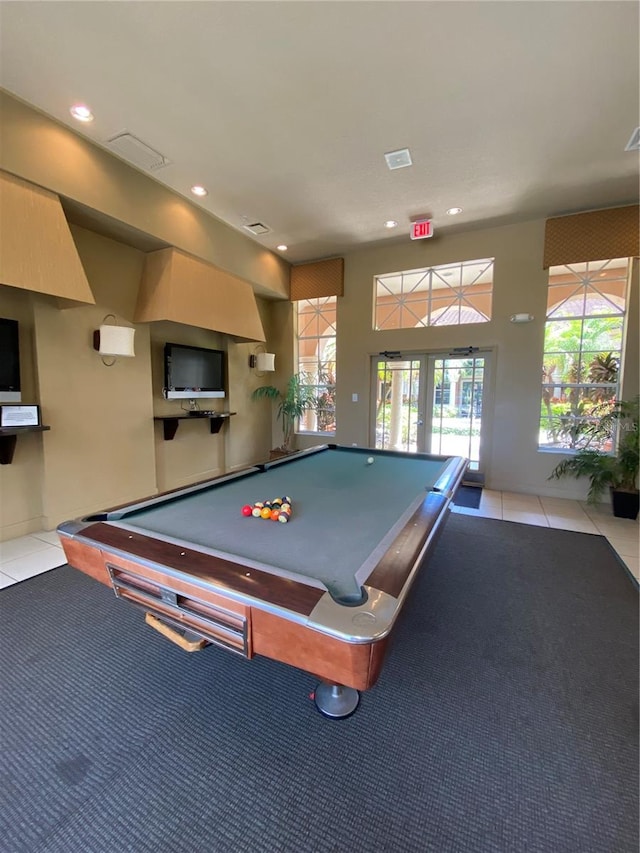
x=262 y=361
x=113 y=341
x=521 y=318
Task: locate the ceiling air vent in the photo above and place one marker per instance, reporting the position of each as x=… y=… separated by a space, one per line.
x=634 y=143
x=257 y=228
x=132 y=149
x=398 y=159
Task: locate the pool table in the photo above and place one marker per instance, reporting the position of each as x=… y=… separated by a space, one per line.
x=321 y=592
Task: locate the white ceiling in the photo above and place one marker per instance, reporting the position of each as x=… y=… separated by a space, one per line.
x=284 y=110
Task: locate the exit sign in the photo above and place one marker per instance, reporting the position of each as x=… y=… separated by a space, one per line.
x=421 y=229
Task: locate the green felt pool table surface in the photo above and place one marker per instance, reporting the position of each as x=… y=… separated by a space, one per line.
x=345 y=512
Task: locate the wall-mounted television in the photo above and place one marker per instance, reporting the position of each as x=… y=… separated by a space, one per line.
x=193 y=372
x=9 y=362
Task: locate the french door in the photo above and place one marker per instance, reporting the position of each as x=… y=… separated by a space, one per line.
x=431 y=402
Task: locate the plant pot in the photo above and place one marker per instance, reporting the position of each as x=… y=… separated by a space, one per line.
x=625 y=504
x=279 y=453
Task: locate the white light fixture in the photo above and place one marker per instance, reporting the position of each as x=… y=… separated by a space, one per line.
x=262 y=361
x=199 y=191
x=454 y=211
x=113 y=341
x=398 y=159
x=282 y=247
x=390 y=223
x=81 y=112
x=521 y=318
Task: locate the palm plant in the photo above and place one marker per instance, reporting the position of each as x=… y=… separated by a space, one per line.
x=293 y=402
x=618 y=471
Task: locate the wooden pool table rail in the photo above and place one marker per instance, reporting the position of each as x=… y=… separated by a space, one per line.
x=355 y=665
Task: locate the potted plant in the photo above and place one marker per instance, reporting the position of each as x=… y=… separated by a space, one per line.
x=293 y=402
x=617 y=470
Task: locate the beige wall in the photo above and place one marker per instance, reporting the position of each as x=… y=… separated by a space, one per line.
x=50 y=155
x=520 y=285
x=99 y=449
x=104 y=447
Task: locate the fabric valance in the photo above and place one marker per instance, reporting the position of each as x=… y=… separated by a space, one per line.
x=593 y=236
x=316 y=279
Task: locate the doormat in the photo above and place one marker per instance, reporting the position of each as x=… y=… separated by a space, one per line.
x=468 y=496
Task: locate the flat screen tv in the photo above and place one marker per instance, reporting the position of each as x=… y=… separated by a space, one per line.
x=9 y=362
x=193 y=372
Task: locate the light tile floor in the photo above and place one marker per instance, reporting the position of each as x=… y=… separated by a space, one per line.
x=27 y=556
x=622 y=533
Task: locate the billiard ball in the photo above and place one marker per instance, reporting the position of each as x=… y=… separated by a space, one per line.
x=370 y=460
x=256 y=512
x=275 y=514
x=247 y=510
x=265 y=512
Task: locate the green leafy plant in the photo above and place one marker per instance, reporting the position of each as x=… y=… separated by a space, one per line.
x=293 y=402
x=618 y=470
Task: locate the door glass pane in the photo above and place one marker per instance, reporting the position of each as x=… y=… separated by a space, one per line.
x=397 y=396
x=457 y=407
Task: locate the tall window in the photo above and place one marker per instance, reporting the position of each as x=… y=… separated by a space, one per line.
x=446 y=295
x=317 y=360
x=582 y=350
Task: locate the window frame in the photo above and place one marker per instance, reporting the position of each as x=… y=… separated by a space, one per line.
x=586 y=397
x=427 y=305
x=321 y=365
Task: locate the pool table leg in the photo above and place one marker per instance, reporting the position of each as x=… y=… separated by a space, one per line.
x=335 y=701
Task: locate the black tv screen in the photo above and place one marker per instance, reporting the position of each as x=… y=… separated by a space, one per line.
x=9 y=361
x=193 y=372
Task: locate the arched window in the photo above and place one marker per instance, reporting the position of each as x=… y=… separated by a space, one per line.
x=445 y=295
x=316 y=342
x=586 y=308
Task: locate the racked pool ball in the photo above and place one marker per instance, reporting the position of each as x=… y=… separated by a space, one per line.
x=256 y=512
x=265 y=512
x=247 y=510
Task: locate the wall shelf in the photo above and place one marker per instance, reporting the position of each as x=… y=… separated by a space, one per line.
x=170 y=422
x=8 y=436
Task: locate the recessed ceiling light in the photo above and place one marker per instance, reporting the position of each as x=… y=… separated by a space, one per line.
x=390 y=223
x=282 y=247
x=198 y=190
x=81 y=112
x=454 y=211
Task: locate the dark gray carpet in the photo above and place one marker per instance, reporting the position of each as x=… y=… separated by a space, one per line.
x=505 y=719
